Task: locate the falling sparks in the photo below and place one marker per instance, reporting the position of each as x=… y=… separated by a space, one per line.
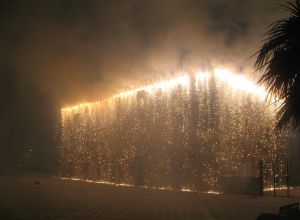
x=186 y=134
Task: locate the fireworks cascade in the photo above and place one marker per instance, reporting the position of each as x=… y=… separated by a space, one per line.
x=185 y=133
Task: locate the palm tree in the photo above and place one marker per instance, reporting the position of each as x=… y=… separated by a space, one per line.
x=279 y=61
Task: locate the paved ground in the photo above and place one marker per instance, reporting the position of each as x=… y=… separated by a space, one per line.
x=56 y=199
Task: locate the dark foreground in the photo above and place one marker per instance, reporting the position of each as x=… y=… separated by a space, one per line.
x=57 y=199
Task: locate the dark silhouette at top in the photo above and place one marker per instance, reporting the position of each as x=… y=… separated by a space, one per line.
x=279 y=60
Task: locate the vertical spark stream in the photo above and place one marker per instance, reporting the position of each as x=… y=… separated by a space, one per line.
x=185 y=133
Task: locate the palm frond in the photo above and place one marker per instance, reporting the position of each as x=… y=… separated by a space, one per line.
x=279 y=61
x=289 y=111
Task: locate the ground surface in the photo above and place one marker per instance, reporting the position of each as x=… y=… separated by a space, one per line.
x=58 y=199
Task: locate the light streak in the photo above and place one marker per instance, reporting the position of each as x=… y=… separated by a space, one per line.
x=165 y=85
x=132 y=186
x=214 y=192
x=238 y=82
x=278 y=188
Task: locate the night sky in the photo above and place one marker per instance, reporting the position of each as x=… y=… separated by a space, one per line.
x=58 y=53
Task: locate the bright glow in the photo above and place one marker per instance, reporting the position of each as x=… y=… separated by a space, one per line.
x=128 y=185
x=79 y=106
x=241 y=83
x=214 y=192
x=238 y=82
x=83 y=180
x=165 y=85
x=202 y=76
x=277 y=188
x=186 y=190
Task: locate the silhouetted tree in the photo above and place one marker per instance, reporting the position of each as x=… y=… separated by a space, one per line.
x=279 y=59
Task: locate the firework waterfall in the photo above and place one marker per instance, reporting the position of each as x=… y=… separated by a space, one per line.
x=185 y=133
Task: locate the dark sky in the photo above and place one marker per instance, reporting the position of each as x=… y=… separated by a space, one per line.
x=59 y=52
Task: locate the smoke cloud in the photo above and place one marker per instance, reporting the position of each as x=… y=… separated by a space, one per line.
x=76 y=50
x=58 y=53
